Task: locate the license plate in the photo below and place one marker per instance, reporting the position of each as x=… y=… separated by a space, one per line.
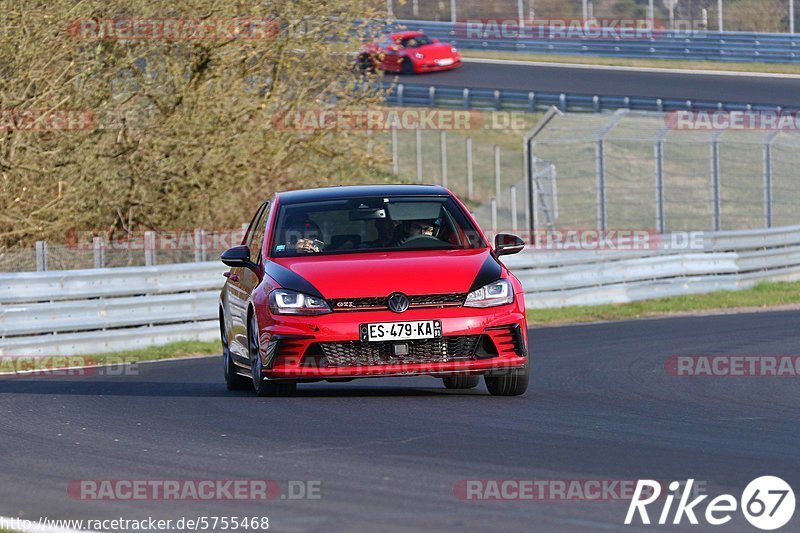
x=445 y=62
x=401 y=331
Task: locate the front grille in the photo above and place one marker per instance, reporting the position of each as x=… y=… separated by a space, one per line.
x=355 y=353
x=379 y=303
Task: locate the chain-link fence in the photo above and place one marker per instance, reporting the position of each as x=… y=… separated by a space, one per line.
x=669 y=172
x=739 y=15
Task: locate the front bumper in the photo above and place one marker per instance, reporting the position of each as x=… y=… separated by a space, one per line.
x=432 y=66
x=291 y=346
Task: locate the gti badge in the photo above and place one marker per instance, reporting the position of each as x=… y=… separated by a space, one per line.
x=398 y=302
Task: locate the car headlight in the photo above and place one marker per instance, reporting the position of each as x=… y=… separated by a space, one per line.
x=496 y=293
x=419 y=56
x=286 y=302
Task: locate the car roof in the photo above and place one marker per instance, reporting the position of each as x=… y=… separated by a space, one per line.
x=405 y=34
x=359 y=191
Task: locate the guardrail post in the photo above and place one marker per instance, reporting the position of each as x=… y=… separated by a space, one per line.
x=562 y=102
x=514 y=208
x=401 y=89
x=498 y=104
x=659 y=105
x=470 y=175
x=465 y=98
x=497 y=175
x=600 y=157
x=418 y=135
x=531 y=102
x=596 y=103
x=626 y=102
x=395 y=158
x=443 y=148
x=99 y=251
x=432 y=96
x=658 y=148
x=715 y=193
x=199 y=246
x=149 y=248
x=41 y=256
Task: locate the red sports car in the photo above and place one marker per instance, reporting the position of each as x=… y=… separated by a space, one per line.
x=409 y=52
x=353 y=282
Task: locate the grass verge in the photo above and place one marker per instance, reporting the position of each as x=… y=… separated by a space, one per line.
x=763 y=296
x=770 y=68
x=154 y=353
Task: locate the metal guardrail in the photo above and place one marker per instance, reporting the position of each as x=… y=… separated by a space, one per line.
x=731 y=260
x=103 y=310
x=694 y=45
x=418 y=95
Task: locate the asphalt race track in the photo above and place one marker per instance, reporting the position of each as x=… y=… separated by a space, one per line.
x=387 y=453
x=771 y=90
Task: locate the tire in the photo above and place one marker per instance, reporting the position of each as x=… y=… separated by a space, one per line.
x=461 y=382
x=260 y=385
x=365 y=64
x=233 y=381
x=514 y=383
x=406 y=68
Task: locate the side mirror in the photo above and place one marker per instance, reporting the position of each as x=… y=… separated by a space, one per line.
x=238 y=257
x=505 y=244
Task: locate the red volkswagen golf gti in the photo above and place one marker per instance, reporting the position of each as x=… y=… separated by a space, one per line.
x=374 y=281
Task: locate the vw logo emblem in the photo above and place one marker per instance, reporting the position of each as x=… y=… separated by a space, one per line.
x=398 y=302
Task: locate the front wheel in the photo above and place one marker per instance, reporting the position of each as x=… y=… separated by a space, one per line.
x=261 y=385
x=406 y=67
x=514 y=383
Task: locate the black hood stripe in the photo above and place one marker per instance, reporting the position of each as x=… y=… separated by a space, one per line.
x=290 y=280
x=490 y=271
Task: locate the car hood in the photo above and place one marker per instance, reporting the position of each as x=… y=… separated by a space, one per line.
x=379 y=274
x=436 y=51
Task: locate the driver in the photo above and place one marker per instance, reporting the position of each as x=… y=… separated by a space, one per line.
x=307 y=233
x=412 y=229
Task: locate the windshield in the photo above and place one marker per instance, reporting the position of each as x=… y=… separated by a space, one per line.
x=373 y=224
x=416 y=41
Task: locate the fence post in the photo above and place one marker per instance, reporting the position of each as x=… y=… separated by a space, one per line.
x=470 y=175
x=768 y=180
x=400 y=94
x=497 y=172
x=600 y=157
x=453 y=14
x=658 y=148
x=418 y=134
x=149 y=248
x=390 y=8
x=465 y=98
x=443 y=149
x=395 y=158
x=199 y=246
x=41 y=256
x=99 y=249
x=715 y=193
x=494 y=216
x=514 y=208
x=432 y=96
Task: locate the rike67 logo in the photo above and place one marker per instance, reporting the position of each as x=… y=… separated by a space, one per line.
x=767 y=503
